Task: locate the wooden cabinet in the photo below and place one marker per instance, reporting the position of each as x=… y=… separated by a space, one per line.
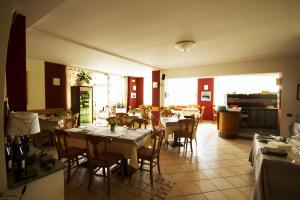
x=263 y=118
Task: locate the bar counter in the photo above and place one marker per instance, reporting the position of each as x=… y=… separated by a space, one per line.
x=228 y=122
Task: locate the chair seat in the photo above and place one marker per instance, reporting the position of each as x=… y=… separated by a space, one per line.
x=113 y=158
x=181 y=134
x=144 y=152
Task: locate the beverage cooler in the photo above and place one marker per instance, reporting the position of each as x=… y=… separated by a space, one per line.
x=82 y=103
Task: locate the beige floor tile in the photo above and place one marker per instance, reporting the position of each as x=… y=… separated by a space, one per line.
x=196 y=197
x=234 y=194
x=221 y=183
x=246 y=190
x=237 y=181
x=205 y=186
x=197 y=175
x=188 y=188
x=217 y=195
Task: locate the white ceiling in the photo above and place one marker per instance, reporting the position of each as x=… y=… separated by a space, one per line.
x=131 y=37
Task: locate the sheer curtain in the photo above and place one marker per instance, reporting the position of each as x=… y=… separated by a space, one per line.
x=148 y=91
x=245 y=84
x=116 y=90
x=181 y=91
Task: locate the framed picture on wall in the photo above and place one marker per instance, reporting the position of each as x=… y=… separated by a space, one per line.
x=133 y=95
x=206 y=96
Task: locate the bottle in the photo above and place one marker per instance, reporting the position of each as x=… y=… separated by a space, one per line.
x=18 y=156
x=8 y=153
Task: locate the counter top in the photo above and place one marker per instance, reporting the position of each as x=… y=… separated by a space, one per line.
x=35 y=171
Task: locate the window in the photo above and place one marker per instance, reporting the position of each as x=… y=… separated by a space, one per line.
x=181 y=91
x=245 y=84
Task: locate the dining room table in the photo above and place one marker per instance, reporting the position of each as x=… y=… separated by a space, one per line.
x=275 y=176
x=171 y=124
x=125 y=140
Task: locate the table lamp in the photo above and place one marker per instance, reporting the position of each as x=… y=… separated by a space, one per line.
x=23 y=124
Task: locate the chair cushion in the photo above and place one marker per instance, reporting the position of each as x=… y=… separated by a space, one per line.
x=144 y=152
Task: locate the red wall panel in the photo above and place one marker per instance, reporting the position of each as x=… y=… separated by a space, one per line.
x=16 y=65
x=208 y=112
x=139 y=84
x=156 y=96
x=56 y=96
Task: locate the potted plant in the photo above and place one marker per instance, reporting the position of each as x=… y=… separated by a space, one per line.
x=83 y=77
x=113 y=124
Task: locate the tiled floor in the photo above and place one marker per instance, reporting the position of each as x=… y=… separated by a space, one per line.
x=217 y=169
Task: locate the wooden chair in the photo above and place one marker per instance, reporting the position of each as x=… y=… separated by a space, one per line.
x=100 y=158
x=215 y=114
x=117 y=119
x=202 y=113
x=166 y=113
x=72 y=154
x=186 y=130
x=121 y=115
x=151 y=154
x=138 y=123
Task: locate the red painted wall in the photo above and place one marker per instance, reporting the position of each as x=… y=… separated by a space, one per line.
x=16 y=65
x=139 y=84
x=56 y=96
x=208 y=112
x=156 y=96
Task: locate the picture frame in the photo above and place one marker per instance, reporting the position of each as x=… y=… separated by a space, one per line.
x=298 y=91
x=133 y=95
x=205 y=96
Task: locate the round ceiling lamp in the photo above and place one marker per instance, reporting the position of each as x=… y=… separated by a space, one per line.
x=185 y=45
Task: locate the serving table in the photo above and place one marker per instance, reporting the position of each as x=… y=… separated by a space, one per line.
x=190 y=111
x=275 y=177
x=125 y=140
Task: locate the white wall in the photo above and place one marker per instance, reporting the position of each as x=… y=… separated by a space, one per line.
x=36 y=84
x=5 y=16
x=289 y=67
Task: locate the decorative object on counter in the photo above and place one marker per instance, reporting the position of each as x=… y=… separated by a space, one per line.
x=47 y=161
x=21 y=124
x=82 y=78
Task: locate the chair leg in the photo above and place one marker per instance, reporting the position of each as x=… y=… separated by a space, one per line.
x=69 y=170
x=151 y=172
x=191 y=144
x=77 y=162
x=108 y=181
x=158 y=166
x=141 y=166
x=90 y=178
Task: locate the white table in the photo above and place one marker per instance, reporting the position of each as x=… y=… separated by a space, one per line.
x=125 y=141
x=190 y=112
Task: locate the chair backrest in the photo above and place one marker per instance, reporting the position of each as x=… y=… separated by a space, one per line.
x=61 y=142
x=121 y=115
x=137 y=123
x=97 y=148
x=187 y=126
x=157 y=137
x=166 y=113
x=202 y=112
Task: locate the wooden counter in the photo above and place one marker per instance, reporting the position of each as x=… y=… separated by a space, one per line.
x=228 y=123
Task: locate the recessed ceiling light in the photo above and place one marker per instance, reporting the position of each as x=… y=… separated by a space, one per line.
x=185 y=45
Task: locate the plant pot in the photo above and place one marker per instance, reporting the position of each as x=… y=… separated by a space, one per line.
x=80 y=83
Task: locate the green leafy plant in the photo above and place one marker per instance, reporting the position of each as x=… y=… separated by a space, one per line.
x=84 y=76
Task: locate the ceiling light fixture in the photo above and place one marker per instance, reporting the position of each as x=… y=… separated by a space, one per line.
x=185 y=45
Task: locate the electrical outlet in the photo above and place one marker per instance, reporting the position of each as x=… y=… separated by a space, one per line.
x=289 y=114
